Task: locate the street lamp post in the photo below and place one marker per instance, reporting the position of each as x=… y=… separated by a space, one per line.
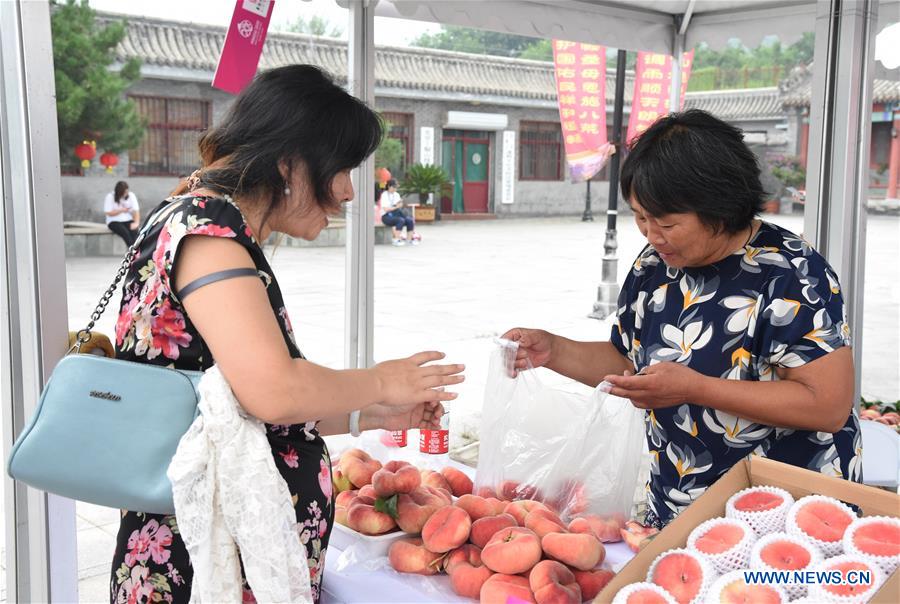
x=608 y=290
x=588 y=216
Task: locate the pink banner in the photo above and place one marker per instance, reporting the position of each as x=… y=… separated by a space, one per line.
x=652 y=83
x=243 y=44
x=581 y=93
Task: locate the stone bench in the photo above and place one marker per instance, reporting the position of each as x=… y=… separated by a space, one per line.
x=95 y=239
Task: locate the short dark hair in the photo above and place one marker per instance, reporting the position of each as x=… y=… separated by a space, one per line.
x=694 y=162
x=292 y=113
x=391 y=183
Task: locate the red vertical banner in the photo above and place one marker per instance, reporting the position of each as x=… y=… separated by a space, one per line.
x=581 y=93
x=652 y=83
x=243 y=44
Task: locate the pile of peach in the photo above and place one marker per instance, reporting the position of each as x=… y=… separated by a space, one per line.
x=374 y=499
x=496 y=550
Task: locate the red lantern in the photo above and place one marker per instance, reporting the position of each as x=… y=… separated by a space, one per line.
x=86 y=152
x=109 y=159
x=382 y=175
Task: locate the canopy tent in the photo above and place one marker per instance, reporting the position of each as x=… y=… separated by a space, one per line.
x=40 y=529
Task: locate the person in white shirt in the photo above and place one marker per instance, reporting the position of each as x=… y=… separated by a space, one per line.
x=123 y=214
x=394 y=216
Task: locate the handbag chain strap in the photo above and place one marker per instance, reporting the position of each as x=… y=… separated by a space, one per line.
x=84 y=335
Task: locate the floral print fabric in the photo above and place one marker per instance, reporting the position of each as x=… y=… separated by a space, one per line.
x=151 y=563
x=774 y=303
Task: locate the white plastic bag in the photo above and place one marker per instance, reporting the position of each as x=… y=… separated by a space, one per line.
x=581 y=454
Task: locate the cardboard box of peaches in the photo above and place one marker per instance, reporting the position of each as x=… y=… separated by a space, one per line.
x=493 y=548
x=810 y=526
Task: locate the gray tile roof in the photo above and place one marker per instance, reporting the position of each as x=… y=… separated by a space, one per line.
x=796 y=89
x=196 y=47
x=738 y=105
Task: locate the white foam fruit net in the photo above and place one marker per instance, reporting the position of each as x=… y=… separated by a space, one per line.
x=819 y=592
x=737 y=576
x=735 y=558
x=628 y=590
x=794 y=590
x=707 y=570
x=887 y=562
x=828 y=548
x=763 y=521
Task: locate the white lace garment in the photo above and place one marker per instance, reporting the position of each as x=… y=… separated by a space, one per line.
x=230 y=498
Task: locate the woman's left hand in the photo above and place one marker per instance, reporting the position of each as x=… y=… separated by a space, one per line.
x=661 y=385
x=426 y=416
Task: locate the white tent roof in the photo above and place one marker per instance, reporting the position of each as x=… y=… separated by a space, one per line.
x=629 y=24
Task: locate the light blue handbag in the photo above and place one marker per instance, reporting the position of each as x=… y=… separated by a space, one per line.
x=106 y=430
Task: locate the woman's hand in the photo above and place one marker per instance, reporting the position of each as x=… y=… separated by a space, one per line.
x=661 y=385
x=409 y=381
x=535 y=345
x=424 y=416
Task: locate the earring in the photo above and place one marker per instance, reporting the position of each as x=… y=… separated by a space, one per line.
x=287 y=191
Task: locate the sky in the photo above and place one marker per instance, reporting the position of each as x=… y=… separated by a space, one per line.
x=393 y=32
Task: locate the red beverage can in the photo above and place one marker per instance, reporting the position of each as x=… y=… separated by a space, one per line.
x=434 y=442
x=399 y=437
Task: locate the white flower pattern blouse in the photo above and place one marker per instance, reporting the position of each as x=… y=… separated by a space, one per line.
x=774 y=303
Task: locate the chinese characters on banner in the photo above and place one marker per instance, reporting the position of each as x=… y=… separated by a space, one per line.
x=243 y=45
x=652 y=82
x=581 y=92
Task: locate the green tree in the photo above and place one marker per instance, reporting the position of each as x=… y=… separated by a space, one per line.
x=737 y=66
x=481 y=41
x=90 y=101
x=389 y=153
x=315 y=25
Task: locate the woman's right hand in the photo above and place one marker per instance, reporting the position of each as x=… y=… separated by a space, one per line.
x=535 y=345
x=410 y=380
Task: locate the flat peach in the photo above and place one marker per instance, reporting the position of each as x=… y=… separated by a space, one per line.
x=520 y=509
x=395 y=477
x=512 y=551
x=434 y=479
x=607 y=528
x=358 y=466
x=553 y=583
x=485 y=528
x=477 y=507
x=543 y=522
x=362 y=517
x=448 y=528
x=592 y=582
x=485 y=492
x=409 y=556
x=577 y=550
x=414 y=509
x=467 y=572
x=460 y=484
x=500 y=589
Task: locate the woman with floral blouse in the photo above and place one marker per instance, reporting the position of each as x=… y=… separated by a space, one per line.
x=200 y=291
x=730 y=331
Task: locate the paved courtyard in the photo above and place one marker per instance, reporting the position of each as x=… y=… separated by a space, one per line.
x=466 y=283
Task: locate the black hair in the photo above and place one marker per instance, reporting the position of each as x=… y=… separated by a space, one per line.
x=293 y=114
x=120 y=189
x=391 y=183
x=694 y=162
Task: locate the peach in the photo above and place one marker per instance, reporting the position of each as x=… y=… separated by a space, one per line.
x=467 y=572
x=520 y=509
x=409 y=556
x=448 y=528
x=477 y=507
x=368 y=491
x=582 y=526
x=580 y=551
x=511 y=490
x=395 y=477
x=485 y=492
x=340 y=482
x=430 y=478
x=358 y=466
x=362 y=517
x=341 y=503
x=553 y=583
x=607 y=528
x=484 y=528
x=500 y=589
x=414 y=509
x=460 y=484
x=592 y=582
x=512 y=551
x=543 y=522
x=571 y=497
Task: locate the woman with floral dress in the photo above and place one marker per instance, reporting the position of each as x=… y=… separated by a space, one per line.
x=200 y=291
x=730 y=331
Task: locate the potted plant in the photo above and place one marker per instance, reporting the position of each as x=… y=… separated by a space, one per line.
x=423 y=180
